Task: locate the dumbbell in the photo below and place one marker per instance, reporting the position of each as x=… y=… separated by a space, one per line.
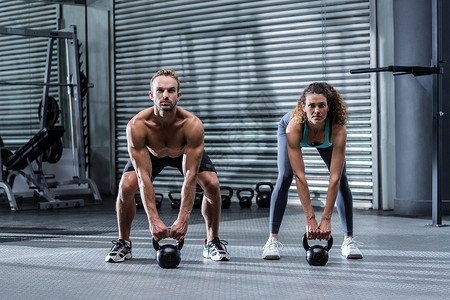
x=263 y=197
x=245 y=201
x=226 y=198
x=317 y=255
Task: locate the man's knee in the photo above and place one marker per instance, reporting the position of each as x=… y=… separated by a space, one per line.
x=209 y=183
x=128 y=185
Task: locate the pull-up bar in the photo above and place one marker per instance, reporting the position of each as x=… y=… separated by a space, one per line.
x=436 y=196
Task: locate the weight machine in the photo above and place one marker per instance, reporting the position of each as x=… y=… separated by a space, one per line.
x=41 y=147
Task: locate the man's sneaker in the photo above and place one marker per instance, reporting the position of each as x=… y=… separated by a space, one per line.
x=120 y=251
x=350 y=248
x=216 y=250
x=271 y=249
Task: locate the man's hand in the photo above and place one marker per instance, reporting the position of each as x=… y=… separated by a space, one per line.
x=312 y=230
x=159 y=230
x=179 y=229
x=324 y=229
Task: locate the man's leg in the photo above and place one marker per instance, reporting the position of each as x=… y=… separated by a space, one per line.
x=211 y=208
x=126 y=210
x=212 y=203
x=126 y=205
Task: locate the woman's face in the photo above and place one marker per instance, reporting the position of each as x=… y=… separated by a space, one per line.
x=316 y=108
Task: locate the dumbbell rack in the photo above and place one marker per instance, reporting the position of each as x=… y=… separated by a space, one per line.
x=36 y=179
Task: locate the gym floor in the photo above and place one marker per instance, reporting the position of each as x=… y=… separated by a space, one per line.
x=59 y=254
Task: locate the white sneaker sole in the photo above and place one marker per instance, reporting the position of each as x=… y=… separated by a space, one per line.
x=271 y=257
x=117 y=260
x=353 y=256
x=215 y=258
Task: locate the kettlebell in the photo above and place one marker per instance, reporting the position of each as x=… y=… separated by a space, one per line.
x=317 y=255
x=175 y=202
x=158 y=200
x=263 y=197
x=245 y=201
x=226 y=198
x=168 y=256
x=198 y=199
x=138 y=200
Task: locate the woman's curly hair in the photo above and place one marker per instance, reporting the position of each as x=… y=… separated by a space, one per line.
x=338 y=110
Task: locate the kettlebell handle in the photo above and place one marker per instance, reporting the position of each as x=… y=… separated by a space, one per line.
x=240 y=190
x=228 y=189
x=157 y=246
x=171 y=195
x=307 y=247
x=264 y=183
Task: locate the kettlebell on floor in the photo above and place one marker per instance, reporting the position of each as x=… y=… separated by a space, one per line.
x=263 y=196
x=245 y=201
x=168 y=256
x=317 y=255
x=226 y=197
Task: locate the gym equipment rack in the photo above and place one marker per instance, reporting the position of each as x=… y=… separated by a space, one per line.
x=37 y=180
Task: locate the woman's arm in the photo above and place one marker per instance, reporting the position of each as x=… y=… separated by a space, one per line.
x=294 y=136
x=338 y=138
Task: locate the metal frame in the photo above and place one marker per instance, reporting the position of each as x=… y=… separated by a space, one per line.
x=75 y=104
x=436 y=69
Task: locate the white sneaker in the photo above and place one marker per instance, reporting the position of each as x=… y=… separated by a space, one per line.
x=350 y=249
x=271 y=249
x=216 y=250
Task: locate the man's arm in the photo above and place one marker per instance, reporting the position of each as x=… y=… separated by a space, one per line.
x=191 y=162
x=142 y=164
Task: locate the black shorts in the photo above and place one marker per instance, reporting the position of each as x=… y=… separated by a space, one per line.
x=159 y=163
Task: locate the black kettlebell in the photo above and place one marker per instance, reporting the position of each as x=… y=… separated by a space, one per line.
x=317 y=255
x=245 y=201
x=198 y=199
x=175 y=202
x=138 y=200
x=168 y=256
x=263 y=197
x=158 y=200
x=226 y=198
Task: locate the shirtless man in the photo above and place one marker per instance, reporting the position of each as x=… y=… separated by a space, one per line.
x=160 y=136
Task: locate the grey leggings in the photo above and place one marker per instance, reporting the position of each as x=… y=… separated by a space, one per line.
x=344 y=200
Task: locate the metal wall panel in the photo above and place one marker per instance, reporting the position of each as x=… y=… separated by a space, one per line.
x=23 y=59
x=242 y=66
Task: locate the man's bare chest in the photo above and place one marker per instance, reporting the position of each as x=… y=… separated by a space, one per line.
x=163 y=144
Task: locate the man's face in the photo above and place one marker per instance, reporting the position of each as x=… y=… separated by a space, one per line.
x=164 y=93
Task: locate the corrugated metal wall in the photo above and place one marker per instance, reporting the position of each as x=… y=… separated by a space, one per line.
x=242 y=65
x=23 y=59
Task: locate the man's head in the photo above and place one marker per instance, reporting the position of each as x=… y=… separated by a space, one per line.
x=165 y=90
x=168 y=73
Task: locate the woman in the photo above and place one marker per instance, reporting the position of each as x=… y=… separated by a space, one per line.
x=318 y=121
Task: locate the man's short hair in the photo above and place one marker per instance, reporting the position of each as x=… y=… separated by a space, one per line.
x=169 y=73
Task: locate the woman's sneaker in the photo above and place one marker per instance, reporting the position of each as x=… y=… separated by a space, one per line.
x=216 y=250
x=350 y=249
x=271 y=249
x=120 y=251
